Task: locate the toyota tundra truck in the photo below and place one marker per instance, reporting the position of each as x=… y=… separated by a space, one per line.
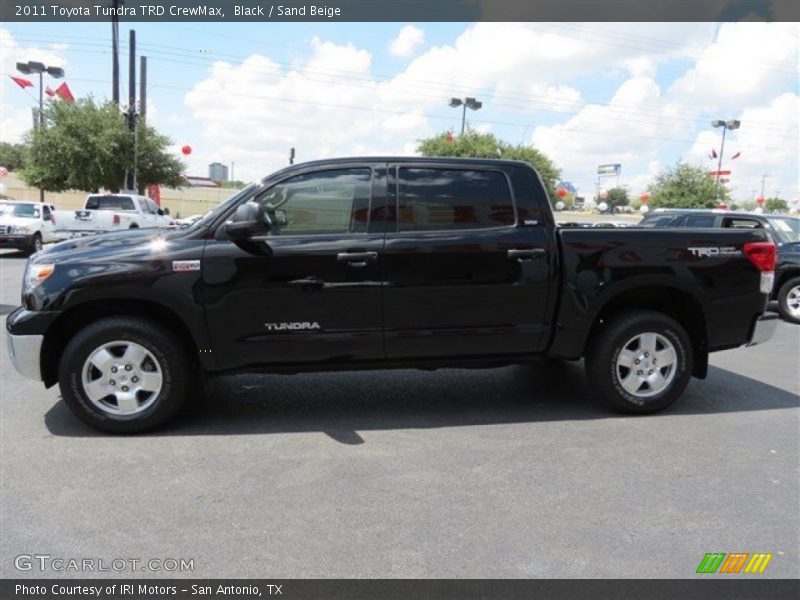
x=379 y=263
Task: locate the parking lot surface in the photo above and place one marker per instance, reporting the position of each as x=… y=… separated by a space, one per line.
x=508 y=472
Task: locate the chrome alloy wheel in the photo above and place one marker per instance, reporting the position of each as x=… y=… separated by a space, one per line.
x=122 y=378
x=646 y=365
x=793 y=302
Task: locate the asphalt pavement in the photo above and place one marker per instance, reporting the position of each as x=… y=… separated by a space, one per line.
x=508 y=472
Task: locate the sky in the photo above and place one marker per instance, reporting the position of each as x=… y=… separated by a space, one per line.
x=639 y=94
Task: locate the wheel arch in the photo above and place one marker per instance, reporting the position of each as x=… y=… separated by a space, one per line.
x=677 y=303
x=73 y=320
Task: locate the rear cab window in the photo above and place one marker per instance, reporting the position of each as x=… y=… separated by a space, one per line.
x=445 y=199
x=99 y=202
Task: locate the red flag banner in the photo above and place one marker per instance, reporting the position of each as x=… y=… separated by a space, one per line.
x=64 y=93
x=21 y=82
x=49 y=91
x=737 y=155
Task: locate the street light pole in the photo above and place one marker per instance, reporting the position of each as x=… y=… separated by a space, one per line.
x=40 y=69
x=466 y=103
x=726 y=125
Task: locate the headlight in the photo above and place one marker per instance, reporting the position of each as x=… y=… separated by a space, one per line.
x=18 y=229
x=35 y=274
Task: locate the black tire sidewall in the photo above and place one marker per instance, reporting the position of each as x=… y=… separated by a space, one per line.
x=783 y=295
x=164 y=348
x=603 y=371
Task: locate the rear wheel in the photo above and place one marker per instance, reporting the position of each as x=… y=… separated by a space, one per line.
x=124 y=375
x=640 y=362
x=789 y=300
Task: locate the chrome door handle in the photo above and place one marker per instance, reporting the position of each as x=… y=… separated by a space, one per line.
x=525 y=255
x=356 y=259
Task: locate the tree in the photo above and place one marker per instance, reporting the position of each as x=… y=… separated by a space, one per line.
x=685 y=186
x=617 y=197
x=775 y=205
x=485 y=145
x=11 y=156
x=88 y=146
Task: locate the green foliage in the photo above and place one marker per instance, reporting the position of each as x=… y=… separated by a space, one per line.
x=485 y=145
x=775 y=205
x=11 y=156
x=88 y=146
x=617 y=197
x=685 y=186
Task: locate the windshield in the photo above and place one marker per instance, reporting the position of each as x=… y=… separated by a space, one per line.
x=786 y=229
x=223 y=207
x=28 y=211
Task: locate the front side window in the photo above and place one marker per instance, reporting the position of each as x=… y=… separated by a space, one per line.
x=333 y=201
x=431 y=199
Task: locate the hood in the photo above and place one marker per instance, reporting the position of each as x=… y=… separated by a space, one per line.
x=106 y=246
x=6 y=219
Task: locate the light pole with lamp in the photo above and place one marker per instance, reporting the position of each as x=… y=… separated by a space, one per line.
x=726 y=125
x=39 y=68
x=470 y=103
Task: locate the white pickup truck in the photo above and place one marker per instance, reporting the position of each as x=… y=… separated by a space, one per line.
x=111 y=212
x=26 y=226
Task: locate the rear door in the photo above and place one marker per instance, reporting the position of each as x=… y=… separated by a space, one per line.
x=309 y=291
x=463 y=276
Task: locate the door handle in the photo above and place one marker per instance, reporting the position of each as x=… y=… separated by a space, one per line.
x=308 y=284
x=357 y=259
x=527 y=254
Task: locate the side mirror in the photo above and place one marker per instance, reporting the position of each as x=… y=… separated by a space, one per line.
x=278 y=217
x=247 y=221
x=161 y=212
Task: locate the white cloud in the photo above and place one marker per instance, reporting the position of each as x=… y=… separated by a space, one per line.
x=406 y=41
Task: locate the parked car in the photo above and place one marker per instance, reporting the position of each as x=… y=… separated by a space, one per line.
x=26 y=225
x=375 y=263
x=783 y=230
x=186 y=221
x=111 y=212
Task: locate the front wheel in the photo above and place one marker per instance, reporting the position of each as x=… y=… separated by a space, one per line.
x=640 y=362
x=124 y=375
x=36 y=243
x=789 y=300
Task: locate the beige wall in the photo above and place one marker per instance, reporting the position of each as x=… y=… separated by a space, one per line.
x=181 y=202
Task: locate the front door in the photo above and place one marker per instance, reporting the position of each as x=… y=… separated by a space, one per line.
x=308 y=291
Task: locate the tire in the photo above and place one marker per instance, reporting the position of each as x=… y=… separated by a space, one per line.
x=789 y=300
x=97 y=361
x=36 y=243
x=133 y=226
x=643 y=387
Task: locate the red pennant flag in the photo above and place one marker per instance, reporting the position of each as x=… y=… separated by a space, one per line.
x=737 y=155
x=21 y=82
x=713 y=154
x=49 y=92
x=64 y=93
x=449 y=137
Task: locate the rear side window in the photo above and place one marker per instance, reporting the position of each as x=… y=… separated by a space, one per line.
x=663 y=221
x=110 y=203
x=699 y=221
x=447 y=199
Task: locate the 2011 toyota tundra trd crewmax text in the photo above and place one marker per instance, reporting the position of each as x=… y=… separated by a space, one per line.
x=374 y=263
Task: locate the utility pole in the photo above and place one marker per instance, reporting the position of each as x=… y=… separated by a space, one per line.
x=730 y=124
x=142 y=89
x=130 y=179
x=115 y=52
x=763 y=183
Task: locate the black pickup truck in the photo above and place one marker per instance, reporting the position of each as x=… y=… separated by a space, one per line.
x=375 y=263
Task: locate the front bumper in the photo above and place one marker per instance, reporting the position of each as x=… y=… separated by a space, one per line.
x=764 y=328
x=16 y=241
x=26 y=351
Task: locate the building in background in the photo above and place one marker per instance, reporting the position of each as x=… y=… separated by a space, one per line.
x=218 y=172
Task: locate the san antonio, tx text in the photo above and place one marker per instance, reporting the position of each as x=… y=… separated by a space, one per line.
x=135 y=590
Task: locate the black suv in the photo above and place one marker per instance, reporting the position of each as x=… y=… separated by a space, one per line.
x=783 y=230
